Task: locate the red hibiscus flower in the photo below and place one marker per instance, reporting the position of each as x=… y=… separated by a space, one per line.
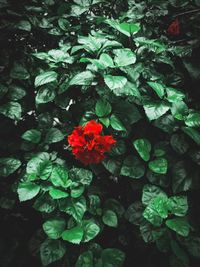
x=88 y=145
x=174 y=28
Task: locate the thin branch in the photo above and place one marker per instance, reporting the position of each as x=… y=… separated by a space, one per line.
x=187 y=12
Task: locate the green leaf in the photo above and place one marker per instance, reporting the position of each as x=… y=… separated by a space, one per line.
x=134 y=213
x=45 y=77
x=156 y=211
x=77 y=191
x=91 y=230
x=105 y=121
x=132 y=167
x=126 y=28
x=179 y=110
x=41 y=55
x=124 y=57
x=179 y=225
x=193 y=133
x=27 y=191
x=110 y=218
x=112 y=257
x=90 y=43
x=3 y=90
x=24 y=25
x=54 y=228
x=158 y=179
x=152 y=45
x=158 y=88
x=146 y=230
x=73 y=235
x=11 y=110
x=45 y=95
x=82 y=78
x=193 y=120
x=102 y=108
x=63 y=24
x=39 y=167
x=119 y=148
x=85 y=259
x=155 y=110
x=19 y=72
x=59 y=176
x=45 y=204
x=116 y=123
x=57 y=56
x=51 y=251
x=114 y=205
x=75 y=207
x=78 y=10
x=80 y=175
x=130 y=89
x=8 y=166
x=112 y=165
x=106 y=60
x=127 y=112
x=143 y=147
x=115 y=82
x=179 y=143
x=181 y=178
x=54 y=135
x=43 y=170
x=57 y=194
x=32 y=135
x=102 y=63
x=177 y=3
x=16 y=92
x=173 y=95
x=159 y=165
x=178 y=205
x=150 y=192
x=192 y=244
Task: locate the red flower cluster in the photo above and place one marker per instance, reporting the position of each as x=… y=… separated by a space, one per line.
x=174 y=28
x=88 y=145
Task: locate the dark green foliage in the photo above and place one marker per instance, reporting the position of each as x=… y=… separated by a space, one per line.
x=64 y=63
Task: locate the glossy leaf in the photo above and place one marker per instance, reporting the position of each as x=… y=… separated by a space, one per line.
x=73 y=235
x=179 y=225
x=27 y=191
x=132 y=167
x=150 y=192
x=102 y=108
x=57 y=193
x=54 y=228
x=45 y=78
x=51 y=251
x=110 y=218
x=8 y=166
x=158 y=88
x=124 y=57
x=143 y=147
x=54 y=135
x=91 y=230
x=159 y=165
x=32 y=135
x=11 y=110
x=115 y=82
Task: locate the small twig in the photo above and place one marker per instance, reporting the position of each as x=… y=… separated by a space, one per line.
x=179 y=41
x=187 y=12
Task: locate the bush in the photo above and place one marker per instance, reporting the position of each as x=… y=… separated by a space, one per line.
x=120 y=70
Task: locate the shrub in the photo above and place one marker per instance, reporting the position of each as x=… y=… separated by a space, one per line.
x=132 y=67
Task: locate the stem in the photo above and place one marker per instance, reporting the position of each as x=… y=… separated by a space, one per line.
x=187 y=12
x=179 y=41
